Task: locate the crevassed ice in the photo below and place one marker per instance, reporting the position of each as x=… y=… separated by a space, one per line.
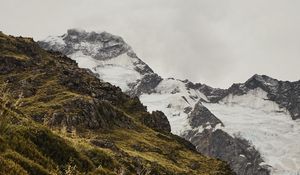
x=169 y=99
x=262 y=122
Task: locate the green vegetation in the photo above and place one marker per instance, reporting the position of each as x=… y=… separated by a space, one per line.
x=57 y=119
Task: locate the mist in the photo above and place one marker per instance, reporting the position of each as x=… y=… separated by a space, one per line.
x=208 y=41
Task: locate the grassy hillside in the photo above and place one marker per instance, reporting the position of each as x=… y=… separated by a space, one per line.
x=58 y=119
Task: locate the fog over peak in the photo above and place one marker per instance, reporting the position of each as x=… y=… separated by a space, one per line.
x=207 y=41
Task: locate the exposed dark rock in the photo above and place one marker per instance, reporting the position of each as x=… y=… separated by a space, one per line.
x=213 y=94
x=201 y=116
x=105 y=144
x=187 y=109
x=93 y=115
x=110 y=45
x=243 y=158
x=8 y=64
x=145 y=85
x=158 y=121
x=146 y=148
x=195 y=165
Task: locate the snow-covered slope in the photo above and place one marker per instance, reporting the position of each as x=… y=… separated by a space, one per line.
x=269 y=127
x=260 y=110
x=119 y=71
x=173 y=98
x=106 y=55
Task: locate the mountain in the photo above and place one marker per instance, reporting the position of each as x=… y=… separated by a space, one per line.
x=108 y=56
x=57 y=118
x=254 y=126
x=263 y=111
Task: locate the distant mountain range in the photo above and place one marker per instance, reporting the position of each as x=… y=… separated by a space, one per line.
x=254 y=126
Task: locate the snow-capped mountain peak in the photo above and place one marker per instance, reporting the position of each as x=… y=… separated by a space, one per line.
x=108 y=56
x=99 y=46
x=286 y=94
x=263 y=79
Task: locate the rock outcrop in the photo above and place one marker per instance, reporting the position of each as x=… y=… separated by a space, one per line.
x=238 y=152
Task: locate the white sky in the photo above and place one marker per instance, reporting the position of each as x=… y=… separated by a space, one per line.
x=216 y=42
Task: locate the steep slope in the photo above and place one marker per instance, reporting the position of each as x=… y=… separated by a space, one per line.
x=112 y=60
x=265 y=111
x=59 y=119
x=270 y=128
x=207 y=116
x=176 y=98
x=108 y=56
x=185 y=106
x=284 y=93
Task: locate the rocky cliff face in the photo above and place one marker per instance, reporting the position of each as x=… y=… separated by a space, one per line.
x=202 y=117
x=211 y=118
x=212 y=141
x=243 y=157
x=286 y=94
x=56 y=118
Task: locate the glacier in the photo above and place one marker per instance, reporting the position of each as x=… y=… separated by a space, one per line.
x=267 y=126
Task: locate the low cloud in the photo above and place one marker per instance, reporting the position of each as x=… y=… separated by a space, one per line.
x=208 y=41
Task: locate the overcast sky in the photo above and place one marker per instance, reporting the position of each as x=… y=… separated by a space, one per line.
x=217 y=42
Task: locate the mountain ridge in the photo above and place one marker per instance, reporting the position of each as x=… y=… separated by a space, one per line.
x=192 y=113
